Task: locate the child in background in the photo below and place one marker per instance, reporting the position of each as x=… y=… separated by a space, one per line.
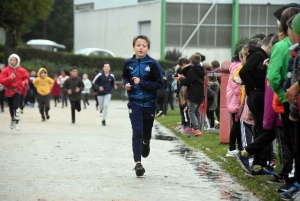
x=142 y=77
x=31 y=95
x=87 y=89
x=43 y=85
x=15 y=79
x=73 y=86
x=63 y=94
x=55 y=90
x=213 y=84
x=2 y=95
x=216 y=69
x=22 y=100
x=96 y=71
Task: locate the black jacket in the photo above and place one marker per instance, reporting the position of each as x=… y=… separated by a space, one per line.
x=253 y=73
x=73 y=83
x=194 y=81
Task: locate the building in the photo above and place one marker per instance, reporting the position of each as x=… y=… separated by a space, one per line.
x=113 y=24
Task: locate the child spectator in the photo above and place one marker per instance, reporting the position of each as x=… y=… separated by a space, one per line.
x=73 y=86
x=142 y=77
x=216 y=69
x=195 y=91
x=43 y=85
x=104 y=82
x=15 y=80
x=63 y=94
x=160 y=98
x=213 y=84
x=55 y=91
x=87 y=89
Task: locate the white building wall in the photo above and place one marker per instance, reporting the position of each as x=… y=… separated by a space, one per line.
x=114 y=28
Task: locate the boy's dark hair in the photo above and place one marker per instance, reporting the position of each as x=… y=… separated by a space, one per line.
x=286 y=15
x=275 y=39
x=141 y=37
x=215 y=64
x=73 y=68
x=254 y=42
x=66 y=72
x=266 y=41
x=260 y=35
x=183 y=60
x=290 y=21
x=202 y=56
x=238 y=49
x=195 y=59
x=106 y=62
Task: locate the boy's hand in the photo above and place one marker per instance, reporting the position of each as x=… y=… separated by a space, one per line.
x=128 y=86
x=291 y=92
x=69 y=91
x=101 y=88
x=12 y=76
x=116 y=87
x=77 y=89
x=136 y=80
x=180 y=76
x=292 y=119
x=266 y=62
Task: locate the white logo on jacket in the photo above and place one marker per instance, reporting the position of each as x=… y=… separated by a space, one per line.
x=131 y=68
x=148 y=69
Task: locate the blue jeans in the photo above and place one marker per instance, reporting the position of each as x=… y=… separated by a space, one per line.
x=194 y=113
x=142 y=122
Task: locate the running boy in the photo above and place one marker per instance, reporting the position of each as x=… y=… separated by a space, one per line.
x=87 y=89
x=142 y=77
x=43 y=85
x=73 y=86
x=15 y=79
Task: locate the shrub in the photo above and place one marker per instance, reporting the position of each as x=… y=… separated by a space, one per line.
x=173 y=55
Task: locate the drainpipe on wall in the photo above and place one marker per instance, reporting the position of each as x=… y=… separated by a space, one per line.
x=163 y=30
x=235 y=25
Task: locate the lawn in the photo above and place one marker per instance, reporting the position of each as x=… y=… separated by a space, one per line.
x=210 y=144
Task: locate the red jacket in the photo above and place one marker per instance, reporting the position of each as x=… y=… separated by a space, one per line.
x=13 y=86
x=55 y=90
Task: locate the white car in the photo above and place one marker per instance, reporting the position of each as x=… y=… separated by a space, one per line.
x=45 y=45
x=95 y=52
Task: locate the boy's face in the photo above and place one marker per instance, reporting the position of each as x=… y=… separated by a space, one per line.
x=33 y=73
x=106 y=68
x=84 y=76
x=141 y=48
x=13 y=61
x=74 y=72
x=293 y=36
x=43 y=74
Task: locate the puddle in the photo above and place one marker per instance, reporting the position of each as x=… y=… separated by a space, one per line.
x=205 y=169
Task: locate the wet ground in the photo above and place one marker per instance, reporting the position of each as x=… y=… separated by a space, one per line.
x=55 y=160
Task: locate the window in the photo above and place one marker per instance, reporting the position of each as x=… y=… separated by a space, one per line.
x=145 y=28
x=173 y=13
x=224 y=14
x=223 y=37
x=258 y=15
x=86 y=6
x=190 y=13
x=207 y=36
x=173 y=35
x=186 y=33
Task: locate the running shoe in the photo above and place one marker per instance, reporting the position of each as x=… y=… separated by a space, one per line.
x=243 y=161
x=145 y=150
x=18 y=127
x=12 y=124
x=231 y=153
x=139 y=170
x=290 y=193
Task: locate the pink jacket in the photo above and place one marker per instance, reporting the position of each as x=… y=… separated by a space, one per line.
x=233 y=92
x=246 y=114
x=271 y=118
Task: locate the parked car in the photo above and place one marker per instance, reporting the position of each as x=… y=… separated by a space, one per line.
x=95 y=52
x=45 y=45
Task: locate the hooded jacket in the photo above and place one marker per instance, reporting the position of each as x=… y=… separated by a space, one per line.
x=13 y=86
x=71 y=84
x=194 y=81
x=43 y=85
x=233 y=91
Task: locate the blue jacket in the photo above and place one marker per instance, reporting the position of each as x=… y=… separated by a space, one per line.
x=150 y=73
x=107 y=82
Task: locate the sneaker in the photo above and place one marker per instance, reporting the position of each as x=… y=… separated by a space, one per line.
x=103 y=123
x=231 y=153
x=145 y=149
x=284 y=187
x=17 y=126
x=43 y=118
x=277 y=180
x=12 y=124
x=100 y=111
x=243 y=161
x=186 y=130
x=197 y=132
x=192 y=134
x=160 y=113
x=291 y=192
x=73 y=121
x=261 y=171
x=47 y=116
x=139 y=170
x=178 y=128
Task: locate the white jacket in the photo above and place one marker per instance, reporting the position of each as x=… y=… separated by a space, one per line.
x=87 y=86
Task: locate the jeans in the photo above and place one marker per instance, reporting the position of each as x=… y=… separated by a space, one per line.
x=103 y=103
x=194 y=113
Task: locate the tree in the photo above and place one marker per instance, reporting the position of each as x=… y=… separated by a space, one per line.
x=17 y=17
x=58 y=27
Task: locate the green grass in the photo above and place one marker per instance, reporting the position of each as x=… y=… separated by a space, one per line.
x=211 y=146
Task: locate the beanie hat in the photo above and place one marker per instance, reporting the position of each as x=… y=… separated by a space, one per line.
x=296 y=24
x=195 y=59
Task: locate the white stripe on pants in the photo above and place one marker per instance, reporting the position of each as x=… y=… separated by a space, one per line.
x=103 y=104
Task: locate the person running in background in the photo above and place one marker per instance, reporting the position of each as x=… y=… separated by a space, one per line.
x=104 y=82
x=87 y=89
x=15 y=79
x=43 y=85
x=63 y=94
x=96 y=71
x=31 y=94
x=2 y=95
x=142 y=76
x=55 y=91
x=73 y=86
x=22 y=100
x=160 y=99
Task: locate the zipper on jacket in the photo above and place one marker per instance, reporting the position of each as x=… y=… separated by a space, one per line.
x=140 y=80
